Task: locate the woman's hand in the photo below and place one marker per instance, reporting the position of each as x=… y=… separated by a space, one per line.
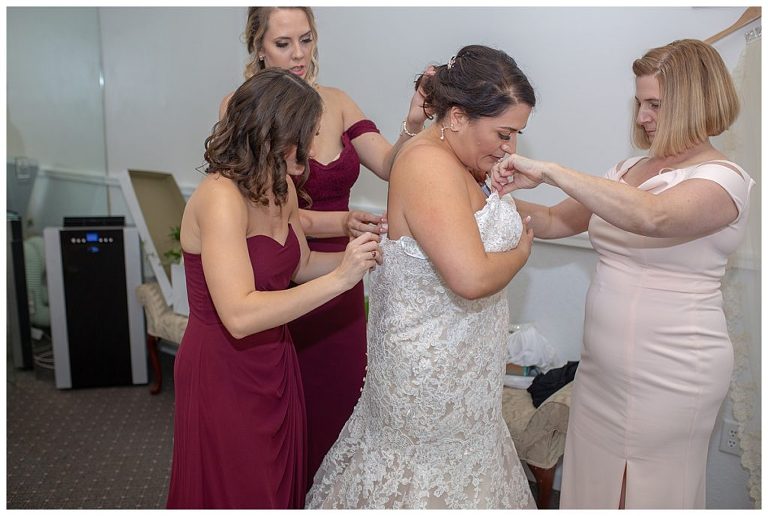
x=362 y=254
x=416 y=114
x=526 y=239
x=360 y=222
x=516 y=172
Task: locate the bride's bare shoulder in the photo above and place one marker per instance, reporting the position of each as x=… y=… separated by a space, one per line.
x=425 y=161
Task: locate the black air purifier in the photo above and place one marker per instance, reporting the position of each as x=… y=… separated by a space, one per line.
x=97 y=324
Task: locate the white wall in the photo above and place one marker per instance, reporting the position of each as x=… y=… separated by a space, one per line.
x=166 y=71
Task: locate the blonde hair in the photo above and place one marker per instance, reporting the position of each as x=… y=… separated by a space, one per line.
x=698 y=99
x=255 y=28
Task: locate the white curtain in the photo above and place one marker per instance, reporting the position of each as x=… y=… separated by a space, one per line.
x=741 y=285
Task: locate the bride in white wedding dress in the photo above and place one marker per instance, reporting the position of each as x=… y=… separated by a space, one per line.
x=427 y=431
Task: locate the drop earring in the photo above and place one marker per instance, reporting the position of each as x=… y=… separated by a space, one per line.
x=442 y=131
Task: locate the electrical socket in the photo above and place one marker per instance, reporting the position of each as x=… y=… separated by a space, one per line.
x=729 y=438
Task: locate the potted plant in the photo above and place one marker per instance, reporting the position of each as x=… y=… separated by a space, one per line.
x=174 y=257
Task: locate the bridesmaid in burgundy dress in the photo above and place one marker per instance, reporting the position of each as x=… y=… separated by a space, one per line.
x=331 y=340
x=239 y=426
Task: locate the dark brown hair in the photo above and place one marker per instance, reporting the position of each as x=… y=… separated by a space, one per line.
x=482 y=81
x=267 y=115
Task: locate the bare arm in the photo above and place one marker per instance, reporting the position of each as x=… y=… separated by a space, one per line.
x=314 y=264
x=438 y=210
x=565 y=219
x=414 y=121
x=375 y=152
x=692 y=208
x=353 y=223
x=222 y=218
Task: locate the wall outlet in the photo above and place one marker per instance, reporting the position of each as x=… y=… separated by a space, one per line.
x=729 y=438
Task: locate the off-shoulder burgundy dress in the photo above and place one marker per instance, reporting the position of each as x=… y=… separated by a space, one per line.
x=239 y=425
x=330 y=340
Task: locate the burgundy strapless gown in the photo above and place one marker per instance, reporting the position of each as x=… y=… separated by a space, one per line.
x=239 y=425
x=330 y=340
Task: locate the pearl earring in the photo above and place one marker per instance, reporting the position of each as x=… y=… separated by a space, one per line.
x=442 y=131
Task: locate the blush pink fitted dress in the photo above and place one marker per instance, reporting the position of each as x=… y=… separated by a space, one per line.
x=656 y=361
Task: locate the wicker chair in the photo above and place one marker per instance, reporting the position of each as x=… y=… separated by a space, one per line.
x=162 y=323
x=538 y=433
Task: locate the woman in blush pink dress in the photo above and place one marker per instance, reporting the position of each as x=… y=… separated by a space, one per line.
x=331 y=340
x=657 y=359
x=239 y=422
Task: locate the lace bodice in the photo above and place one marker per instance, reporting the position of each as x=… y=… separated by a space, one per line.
x=498 y=221
x=428 y=430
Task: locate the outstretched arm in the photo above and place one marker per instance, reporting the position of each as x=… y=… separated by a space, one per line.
x=693 y=208
x=353 y=223
x=567 y=218
x=314 y=264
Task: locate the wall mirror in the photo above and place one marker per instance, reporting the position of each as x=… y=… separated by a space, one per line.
x=55 y=115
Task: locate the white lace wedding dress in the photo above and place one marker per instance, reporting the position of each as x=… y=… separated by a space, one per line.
x=427 y=431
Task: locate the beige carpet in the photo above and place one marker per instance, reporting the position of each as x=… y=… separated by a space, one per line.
x=98 y=448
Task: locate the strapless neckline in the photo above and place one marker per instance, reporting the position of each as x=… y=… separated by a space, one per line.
x=412 y=247
x=287 y=236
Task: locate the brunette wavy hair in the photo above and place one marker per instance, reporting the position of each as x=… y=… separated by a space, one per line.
x=267 y=116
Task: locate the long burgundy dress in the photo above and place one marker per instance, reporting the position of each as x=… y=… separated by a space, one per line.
x=239 y=425
x=330 y=340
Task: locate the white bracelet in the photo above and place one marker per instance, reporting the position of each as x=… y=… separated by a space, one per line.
x=406 y=131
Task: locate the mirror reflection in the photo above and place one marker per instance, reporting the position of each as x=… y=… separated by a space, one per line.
x=55 y=118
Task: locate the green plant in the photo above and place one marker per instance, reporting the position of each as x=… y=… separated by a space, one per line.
x=173 y=255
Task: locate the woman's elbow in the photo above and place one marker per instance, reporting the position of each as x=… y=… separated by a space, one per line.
x=651 y=225
x=474 y=294
x=305 y=220
x=469 y=288
x=235 y=325
x=650 y=220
